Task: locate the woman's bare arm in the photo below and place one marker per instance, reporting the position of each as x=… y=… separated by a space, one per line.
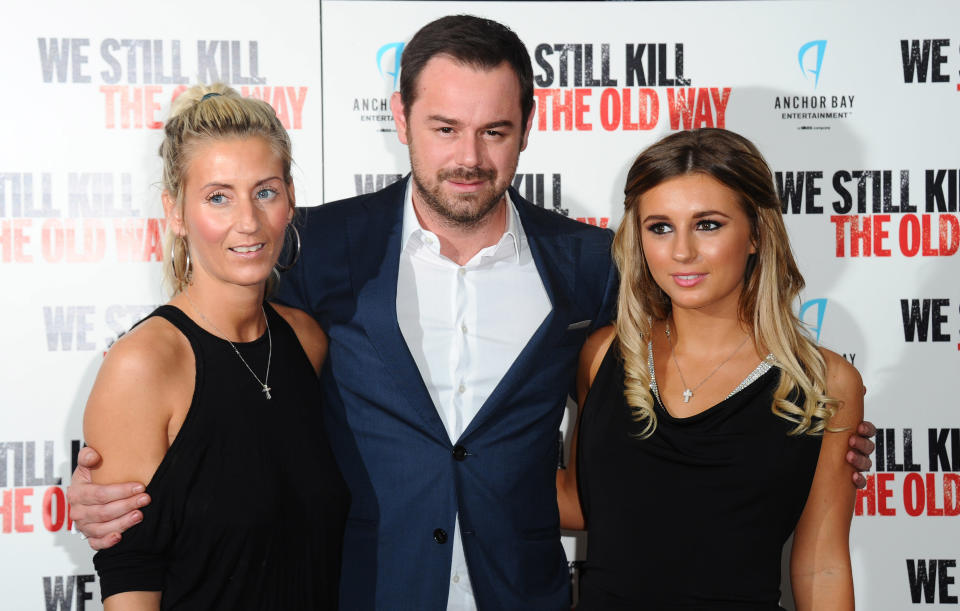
x=820 y=563
x=137 y=405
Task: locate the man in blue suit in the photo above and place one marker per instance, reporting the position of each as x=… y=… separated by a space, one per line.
x=455 y=311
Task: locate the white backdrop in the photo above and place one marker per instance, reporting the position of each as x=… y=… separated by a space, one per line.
x=853 y=103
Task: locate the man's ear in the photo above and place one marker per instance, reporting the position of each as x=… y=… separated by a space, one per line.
x=173 y=213
x=526 y=131
x=399 y=118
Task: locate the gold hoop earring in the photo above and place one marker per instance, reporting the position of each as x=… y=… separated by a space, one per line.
x=184 y=278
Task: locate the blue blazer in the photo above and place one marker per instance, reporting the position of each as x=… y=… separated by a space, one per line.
x=407 y=480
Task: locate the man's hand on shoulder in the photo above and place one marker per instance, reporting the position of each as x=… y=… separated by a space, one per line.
x=102 y=511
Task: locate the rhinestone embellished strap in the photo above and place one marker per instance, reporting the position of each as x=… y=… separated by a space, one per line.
x=764 y=366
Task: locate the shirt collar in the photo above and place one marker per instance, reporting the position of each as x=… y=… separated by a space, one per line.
x=412 y=235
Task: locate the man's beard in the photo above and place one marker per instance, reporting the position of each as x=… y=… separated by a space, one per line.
x=465 y=210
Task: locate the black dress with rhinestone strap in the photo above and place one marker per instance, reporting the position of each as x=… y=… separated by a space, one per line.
x=248 y=506
x=696 y=515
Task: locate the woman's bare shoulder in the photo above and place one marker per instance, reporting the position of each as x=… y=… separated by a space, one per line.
x=592 y=353
x=144 y=383
x=844 y=383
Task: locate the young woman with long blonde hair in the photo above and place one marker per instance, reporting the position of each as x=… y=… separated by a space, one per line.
x=712 y=426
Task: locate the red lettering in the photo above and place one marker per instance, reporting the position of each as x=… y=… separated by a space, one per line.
x=297 y=97
x=928 y=250
x=563 y=109
x=648 y=108
x=139 y=239
x=176 y=92
x=909 y=235
x=884 y=493
x=951 y=494
x=582 y=107
x=932 y=509
x=131 y=108
x=913 y=497
x=137 y=106
x=839 y=221
x=54 y=496
x=704 y=110
x=109 y=105
x=542 y=95
x=94 y=242
x=151 y=106
x=859 y=237
x=20 y=509
x=868 y=495
x=51 y=237
x=720 y=98
x=153 y=245
x=279 y=104
x=949 y=234
x=13 y=241
x=6 y=511
x=680 y=104
x=603 y=221
x=880 y=234
x=610 y=109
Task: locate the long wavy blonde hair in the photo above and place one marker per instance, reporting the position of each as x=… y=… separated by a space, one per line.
x=199 y=114
x=772 y=280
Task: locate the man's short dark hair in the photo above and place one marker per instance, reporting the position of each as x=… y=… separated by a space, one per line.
x=474 y=41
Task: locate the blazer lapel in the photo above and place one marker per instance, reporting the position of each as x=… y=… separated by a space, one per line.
x=554 y=257
x=374 y=240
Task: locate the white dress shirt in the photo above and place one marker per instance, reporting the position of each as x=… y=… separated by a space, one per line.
x=465 y=326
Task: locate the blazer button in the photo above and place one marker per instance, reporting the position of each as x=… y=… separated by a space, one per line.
x=459 y=452
x=440 y=536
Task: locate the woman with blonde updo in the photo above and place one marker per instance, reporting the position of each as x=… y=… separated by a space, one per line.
x=710 y=427
x=216 y=391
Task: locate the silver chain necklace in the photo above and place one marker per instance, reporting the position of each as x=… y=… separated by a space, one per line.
x=266 y=377
x=687 y=391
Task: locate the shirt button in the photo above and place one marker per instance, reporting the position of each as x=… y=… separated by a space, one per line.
x=462 y=271
x=440 y=536
x=459 y=452
x=461 y=389
x=456 y=579
x=463 y=328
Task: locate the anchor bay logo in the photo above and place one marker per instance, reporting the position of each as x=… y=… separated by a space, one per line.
x=374 y=108
x=813 y=111
x=814 y=45
x=388 y=61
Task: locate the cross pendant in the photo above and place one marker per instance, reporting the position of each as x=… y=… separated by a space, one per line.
x=266 y=391
x=686 y=395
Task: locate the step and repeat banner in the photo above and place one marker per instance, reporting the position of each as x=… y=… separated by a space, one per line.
x=854 y=105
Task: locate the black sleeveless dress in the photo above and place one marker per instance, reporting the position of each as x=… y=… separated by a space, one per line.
x=695 y=516
x=248 y=506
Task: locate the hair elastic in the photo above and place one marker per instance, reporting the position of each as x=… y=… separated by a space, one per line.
x=212 y=94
